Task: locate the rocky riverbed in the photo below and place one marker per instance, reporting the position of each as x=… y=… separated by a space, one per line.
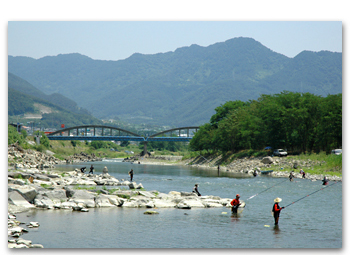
x=33 y=184
x=33 y=189
x=20 y=158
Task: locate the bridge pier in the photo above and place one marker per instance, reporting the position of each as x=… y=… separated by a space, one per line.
x=145 y=148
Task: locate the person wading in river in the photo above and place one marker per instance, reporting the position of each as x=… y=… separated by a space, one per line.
x=91 y=170
x=131 y=173
x=276 y=209
x=291 y=176
x=325 y=181
x=235 y=204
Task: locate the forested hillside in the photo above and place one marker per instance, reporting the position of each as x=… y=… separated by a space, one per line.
x=182 y=87
x=299 y=122
x=31 y=100
x=25 y=87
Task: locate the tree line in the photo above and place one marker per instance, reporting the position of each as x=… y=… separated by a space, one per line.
x=298 y=122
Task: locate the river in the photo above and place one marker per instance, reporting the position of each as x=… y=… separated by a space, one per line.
x=312 y=222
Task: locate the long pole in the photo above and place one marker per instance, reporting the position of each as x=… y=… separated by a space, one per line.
x=266 y=189
x=311 y=194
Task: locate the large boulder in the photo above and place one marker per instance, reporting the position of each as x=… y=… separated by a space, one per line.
x=183 y=206
x=188 y=194
x=160 y=203
x=42 y=177
x=85 y=197
x=267 y=160
x=115 y=200
x=102 y=201
x=192 y=203
x=15 y=198
x=29 y=193
x=16 y=181
x=147 y=194
x=57 y=195
x=132 y=185
x=174 y=193
x=43 y=202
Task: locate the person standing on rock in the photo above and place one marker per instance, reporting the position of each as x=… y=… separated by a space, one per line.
x=276 y=209
x=302 y=173
x=195 y=190
x=131 y=173
x=91 y=170
x=235 y=204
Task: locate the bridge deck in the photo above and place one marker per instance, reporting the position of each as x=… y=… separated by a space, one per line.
x=120 y=138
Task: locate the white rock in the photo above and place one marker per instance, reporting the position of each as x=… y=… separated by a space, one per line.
x=36 y=246
x=102 y=201
x=17 y=199
x=22 y=241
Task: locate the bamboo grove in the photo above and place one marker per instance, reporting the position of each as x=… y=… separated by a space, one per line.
x=298 y=122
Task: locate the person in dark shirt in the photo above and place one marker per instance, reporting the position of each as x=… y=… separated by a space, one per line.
x=91 y=169
x=131 y=173
x=325 y=181
x=276 y=209
x=291 y=176
x=195 y=190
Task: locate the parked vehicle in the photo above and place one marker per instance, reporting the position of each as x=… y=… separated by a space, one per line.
x=280 y=153
x=337 y=151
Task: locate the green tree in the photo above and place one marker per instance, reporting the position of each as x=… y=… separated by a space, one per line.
x=43 y=139
x=294 y=121
x=14 y=136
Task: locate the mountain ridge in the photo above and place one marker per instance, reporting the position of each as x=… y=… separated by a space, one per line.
x=181 y=87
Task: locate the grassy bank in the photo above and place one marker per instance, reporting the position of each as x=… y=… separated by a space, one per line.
x=312 y=163
x=320 y=163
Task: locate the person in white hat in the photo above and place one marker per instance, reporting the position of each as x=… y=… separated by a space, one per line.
x=276 y=209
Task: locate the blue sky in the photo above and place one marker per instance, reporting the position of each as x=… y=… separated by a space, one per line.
x=114 y=40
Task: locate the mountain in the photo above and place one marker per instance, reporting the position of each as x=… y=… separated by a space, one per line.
x=21 y=85
x=24 y=99
x=182 y=87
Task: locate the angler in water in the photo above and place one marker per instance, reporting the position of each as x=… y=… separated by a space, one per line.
x=276 y=209
x=235 y=204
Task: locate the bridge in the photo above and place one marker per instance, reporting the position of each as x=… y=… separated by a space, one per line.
x=109 y=133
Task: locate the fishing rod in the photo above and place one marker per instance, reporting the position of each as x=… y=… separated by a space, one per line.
x=266 y=189
x=310 y=194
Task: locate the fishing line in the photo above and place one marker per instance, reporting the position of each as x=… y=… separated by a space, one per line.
x=311 y=194
x=266 y=189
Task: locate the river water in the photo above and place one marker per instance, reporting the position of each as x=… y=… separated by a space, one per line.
x=312 y=222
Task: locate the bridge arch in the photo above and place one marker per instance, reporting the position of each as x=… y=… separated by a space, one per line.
x=85 y=127
x=175 y=129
